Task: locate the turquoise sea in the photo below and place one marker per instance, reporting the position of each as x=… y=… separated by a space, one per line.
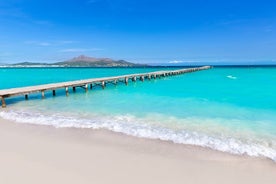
x=230 y=109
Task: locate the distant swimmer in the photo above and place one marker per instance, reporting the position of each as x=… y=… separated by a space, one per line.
x=231 y=77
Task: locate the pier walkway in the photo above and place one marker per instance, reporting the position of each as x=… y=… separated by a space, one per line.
x=89 y=83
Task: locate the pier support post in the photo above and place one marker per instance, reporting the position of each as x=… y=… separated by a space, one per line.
x=54 y=92
x=26 y=97
x=126 y=81
x=142 y=78
x=115 y=82
x=154 y=76
x=91 y=86
x=134 y=79
x=66 y=91
x=42 y=94
x=103 y=84
x=149 y=77
x=86 y=87
x=74 y=89
x=3 y=102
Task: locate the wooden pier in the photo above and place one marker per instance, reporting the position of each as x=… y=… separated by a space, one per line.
x=89 y=83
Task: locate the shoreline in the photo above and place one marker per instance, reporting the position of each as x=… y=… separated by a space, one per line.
x=44 y=154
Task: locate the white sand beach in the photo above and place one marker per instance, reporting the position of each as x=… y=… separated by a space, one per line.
x=43 y=154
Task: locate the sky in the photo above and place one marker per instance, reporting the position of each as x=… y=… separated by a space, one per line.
x=140 y=31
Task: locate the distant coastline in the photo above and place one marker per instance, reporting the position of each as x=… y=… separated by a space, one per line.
x=134 y=66
x=83 y=61
x=80 y=61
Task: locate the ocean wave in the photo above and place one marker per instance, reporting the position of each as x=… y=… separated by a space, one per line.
x=131 y=125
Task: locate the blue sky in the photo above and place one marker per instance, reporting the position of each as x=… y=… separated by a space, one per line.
x=144 y=31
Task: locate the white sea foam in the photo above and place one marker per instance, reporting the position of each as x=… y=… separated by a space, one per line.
x=231 y=77
x=131 y=125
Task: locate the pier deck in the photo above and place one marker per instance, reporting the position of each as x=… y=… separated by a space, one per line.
x=25 y=91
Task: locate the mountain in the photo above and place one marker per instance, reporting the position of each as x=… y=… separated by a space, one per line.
x=82 y=61
x=85 y=61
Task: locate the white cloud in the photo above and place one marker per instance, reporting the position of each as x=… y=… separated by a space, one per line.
x=72 y=50
x=80 y=50
x=38 y=43
x=65 y=42
x=49 y=43
x=185 y=61
x=44 y=44
x=176 y=62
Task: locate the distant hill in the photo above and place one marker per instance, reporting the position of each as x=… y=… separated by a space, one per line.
x=29 y=63
x=84 y=61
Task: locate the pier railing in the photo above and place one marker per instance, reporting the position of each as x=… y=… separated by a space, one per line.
x=88 y=83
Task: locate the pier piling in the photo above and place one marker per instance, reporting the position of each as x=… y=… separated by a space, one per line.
x=3 y=102
x=42 y=94
x=86 y=88
x=66 y=91
x=126 y=81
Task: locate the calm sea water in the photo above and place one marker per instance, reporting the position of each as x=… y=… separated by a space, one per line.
x=227 y=109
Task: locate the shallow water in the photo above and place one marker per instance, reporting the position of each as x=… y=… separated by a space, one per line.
x=226 y=109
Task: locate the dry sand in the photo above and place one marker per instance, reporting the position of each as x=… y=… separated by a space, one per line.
x=41 y=154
